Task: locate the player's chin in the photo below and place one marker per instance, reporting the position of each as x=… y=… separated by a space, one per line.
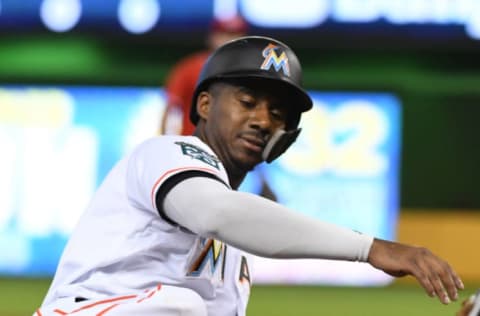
x=248 y=161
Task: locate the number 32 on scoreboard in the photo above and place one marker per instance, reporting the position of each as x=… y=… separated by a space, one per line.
x=345 y=139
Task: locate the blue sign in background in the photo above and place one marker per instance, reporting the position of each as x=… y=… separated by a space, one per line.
x=60 y=143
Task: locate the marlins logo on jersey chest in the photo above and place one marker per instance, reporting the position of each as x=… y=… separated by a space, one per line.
x=208 y=255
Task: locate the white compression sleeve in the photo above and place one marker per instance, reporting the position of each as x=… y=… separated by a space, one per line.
x=257 y=225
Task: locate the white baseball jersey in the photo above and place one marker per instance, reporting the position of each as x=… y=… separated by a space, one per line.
x=122 y=243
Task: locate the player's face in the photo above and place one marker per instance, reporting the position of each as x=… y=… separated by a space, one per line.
x=241 y=120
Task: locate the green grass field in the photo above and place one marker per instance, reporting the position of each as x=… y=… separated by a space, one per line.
x=20 y=297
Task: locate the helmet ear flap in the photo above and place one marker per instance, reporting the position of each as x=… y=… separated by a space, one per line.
x=279 y=143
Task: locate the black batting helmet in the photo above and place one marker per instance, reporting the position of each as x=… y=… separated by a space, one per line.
x=255 y=57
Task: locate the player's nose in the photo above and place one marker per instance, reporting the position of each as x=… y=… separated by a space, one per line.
x=260 y=117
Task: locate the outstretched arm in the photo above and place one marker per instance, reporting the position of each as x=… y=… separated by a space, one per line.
x=259 y=226
x=433 y=273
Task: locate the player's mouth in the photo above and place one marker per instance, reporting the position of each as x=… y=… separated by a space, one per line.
x=253 y=143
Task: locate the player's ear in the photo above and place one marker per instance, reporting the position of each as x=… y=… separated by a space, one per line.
x=204 y=102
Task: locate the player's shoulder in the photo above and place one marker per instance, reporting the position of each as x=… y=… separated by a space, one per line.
x=176 y=153
x=169 y=144
x=165 y=140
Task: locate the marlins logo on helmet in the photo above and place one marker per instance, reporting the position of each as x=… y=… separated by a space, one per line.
x=272 y=59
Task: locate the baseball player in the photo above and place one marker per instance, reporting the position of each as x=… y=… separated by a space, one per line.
x=166 y=230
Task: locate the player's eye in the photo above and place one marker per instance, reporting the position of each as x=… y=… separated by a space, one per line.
x=278 y=114
x=247 y=103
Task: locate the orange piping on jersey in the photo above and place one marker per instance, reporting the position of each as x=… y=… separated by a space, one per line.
x=159 y=286
x=103 y=312
x=147 y=297
x=109 y=308
x=98 y=303
x=170 y=172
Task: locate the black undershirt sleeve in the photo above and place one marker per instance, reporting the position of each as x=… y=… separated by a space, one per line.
x=173 y=181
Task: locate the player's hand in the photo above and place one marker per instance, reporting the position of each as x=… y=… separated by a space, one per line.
x=434 y=274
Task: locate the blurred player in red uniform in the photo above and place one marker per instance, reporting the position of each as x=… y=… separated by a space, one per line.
x=182 y=79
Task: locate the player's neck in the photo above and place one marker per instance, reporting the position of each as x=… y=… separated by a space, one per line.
x=235 y=179
x=235 y=173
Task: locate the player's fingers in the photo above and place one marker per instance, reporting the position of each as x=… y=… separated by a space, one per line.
x=451 y=282
x=447 y=278
x=458 y=281
x=441 y=277
x=426 y=270
x=423 y=278
x=439 y=289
